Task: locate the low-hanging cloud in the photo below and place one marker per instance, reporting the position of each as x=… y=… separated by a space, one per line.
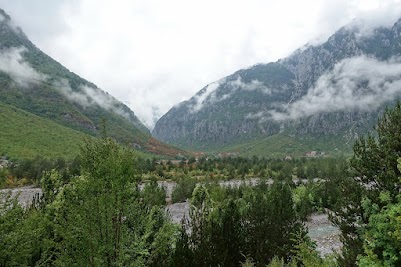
x=200 y=99
x=63 y=86
x=254 y=85
x=209 y=94
x=12 y=62
x=104 y=100
x=88 y=96
x=359 y=83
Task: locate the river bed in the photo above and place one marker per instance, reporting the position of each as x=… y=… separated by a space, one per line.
x=320 y=230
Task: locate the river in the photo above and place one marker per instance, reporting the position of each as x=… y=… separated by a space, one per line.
x=320 y=230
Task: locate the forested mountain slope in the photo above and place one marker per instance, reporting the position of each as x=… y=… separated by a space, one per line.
x=32 y=81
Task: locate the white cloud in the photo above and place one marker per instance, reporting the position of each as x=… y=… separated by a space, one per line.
x=238 y=84
x=13 y=63
x=359 y=83
x=153 y=54
x=208 y=91
x=88 y=96
x=64 y=87
x=208 y=95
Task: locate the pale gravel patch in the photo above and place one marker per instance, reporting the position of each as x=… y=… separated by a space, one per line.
x=25 y=194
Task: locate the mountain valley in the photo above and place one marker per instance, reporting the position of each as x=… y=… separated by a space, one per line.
x=320 y=98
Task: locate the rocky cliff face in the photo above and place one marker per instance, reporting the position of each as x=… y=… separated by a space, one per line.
x=336 y=88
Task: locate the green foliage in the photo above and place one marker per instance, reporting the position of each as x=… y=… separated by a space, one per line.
x=249 y=263
x=373 y=183
x=98 y=218
x=24 y=234
x=271 y=223
x=51 y=183
x=306 y=201
x=375 y=160
x=94 y=205
x=308 y=257
x=399 y=164
x=304 y=256
x=153 y=195
x=258 y=222
x=216 y=237
x=31 y=170
x=3 y=176
x=382 y=244
x=183 y=190
x=25 y=135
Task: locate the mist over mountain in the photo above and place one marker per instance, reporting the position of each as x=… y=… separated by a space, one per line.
x=330 y=91
x=32 y=81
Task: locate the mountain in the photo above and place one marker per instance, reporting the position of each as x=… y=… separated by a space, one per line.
x=33 y=82
x=319 y=98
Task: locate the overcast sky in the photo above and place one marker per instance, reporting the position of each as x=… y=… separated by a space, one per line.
x=153 y=54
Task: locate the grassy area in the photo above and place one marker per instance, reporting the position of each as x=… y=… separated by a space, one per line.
x=25 y=135
x=280 y=145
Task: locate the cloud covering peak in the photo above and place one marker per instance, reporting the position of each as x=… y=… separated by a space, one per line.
x=359 y=83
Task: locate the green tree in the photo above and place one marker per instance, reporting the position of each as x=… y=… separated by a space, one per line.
x=271 y=223
x=153 y=194
x=100 y=218
x=216 y=235
x=373 y=171
x=183 y=190
x=382 y=238
x=382 y=245
x=25 y=234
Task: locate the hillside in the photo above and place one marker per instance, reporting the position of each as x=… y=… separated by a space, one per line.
x=26 y=135
x=282 y=145
x=32 y=81
x=331 y=92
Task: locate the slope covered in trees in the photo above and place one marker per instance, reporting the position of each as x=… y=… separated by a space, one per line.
x=369 y=193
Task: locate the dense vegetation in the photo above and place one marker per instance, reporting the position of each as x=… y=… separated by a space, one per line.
x=93 y=213
x=25 y=135
x=370 y=197
x=95 y=219
x=226 y=225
